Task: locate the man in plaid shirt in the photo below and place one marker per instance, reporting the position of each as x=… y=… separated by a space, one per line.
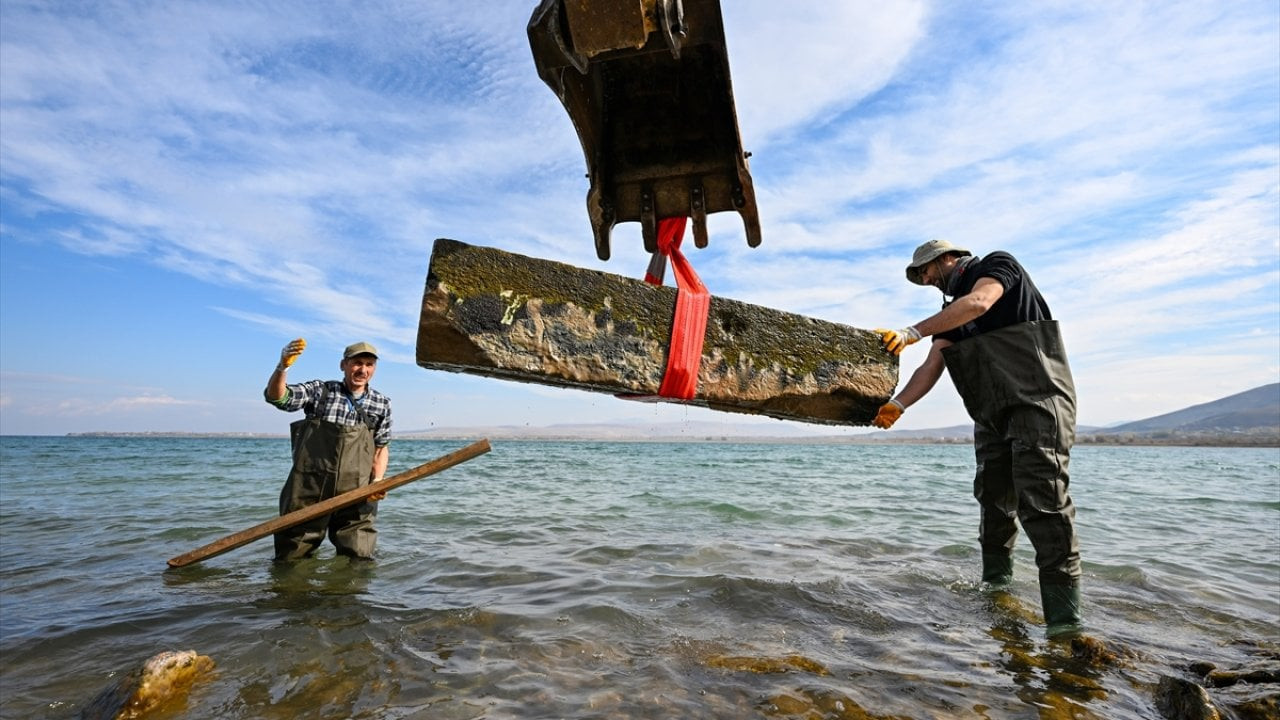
x=341 y=444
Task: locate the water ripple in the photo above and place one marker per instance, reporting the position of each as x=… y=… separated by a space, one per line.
x=577 y=580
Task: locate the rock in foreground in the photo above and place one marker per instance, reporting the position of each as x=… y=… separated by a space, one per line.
x=162 y=682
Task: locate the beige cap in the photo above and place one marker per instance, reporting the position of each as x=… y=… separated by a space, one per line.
x=927 y=253
x=360 y=348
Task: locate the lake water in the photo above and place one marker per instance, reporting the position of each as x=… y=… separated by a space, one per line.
x=624 y=580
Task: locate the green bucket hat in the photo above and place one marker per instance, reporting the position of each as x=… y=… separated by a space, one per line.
x=927 y=253
x=360 y=348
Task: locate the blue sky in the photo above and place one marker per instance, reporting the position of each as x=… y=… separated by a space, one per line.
x=186 y=186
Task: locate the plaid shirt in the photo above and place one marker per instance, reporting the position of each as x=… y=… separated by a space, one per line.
x=337 y=406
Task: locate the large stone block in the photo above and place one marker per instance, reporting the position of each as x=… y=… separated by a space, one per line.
x=494 y=313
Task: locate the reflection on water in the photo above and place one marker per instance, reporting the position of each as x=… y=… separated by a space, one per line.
x=303 y=581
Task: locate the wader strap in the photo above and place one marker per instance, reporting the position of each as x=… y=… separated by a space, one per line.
x=356 y=406
x=323 y=401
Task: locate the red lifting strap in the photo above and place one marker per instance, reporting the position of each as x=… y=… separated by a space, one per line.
x=689 y=324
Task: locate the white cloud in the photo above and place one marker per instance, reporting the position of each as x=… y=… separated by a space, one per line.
x=307 y=155
x=799 y=64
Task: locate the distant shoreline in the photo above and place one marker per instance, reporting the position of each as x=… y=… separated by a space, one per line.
x=1259 y=441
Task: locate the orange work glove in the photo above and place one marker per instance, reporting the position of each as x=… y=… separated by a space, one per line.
x=290 y=353
x=897 y=340
x=888 y=415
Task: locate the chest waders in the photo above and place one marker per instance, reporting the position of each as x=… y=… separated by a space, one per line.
x=1017 y=387
x=328 y=459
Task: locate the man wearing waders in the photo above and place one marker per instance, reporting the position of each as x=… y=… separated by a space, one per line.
x=997 y=340
x=341 y=445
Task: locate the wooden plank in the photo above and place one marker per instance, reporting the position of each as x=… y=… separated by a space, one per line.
x=498 y=314
x=326 y=507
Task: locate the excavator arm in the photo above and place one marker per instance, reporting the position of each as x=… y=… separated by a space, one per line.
x=646 y=84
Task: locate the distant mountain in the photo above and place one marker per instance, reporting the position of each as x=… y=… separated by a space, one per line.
x=1256 y=409
x=951 y=433
x=697 y=430
x=1248 y=418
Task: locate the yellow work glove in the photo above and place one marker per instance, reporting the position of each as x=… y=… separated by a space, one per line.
x=888 y=415
x=897 y=340
x=290 y=353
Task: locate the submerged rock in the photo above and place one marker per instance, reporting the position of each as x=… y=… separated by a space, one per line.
x=814 y=703
x=767 y=665
x=163 y=680
x=1248 y=692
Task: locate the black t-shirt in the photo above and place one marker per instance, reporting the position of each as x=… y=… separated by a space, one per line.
x=1021 y=301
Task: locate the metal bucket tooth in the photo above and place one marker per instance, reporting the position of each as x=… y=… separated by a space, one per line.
x=646 y=85
x=648 y=219
x=698 y=211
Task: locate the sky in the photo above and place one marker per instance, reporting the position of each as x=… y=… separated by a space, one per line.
x=184 y=187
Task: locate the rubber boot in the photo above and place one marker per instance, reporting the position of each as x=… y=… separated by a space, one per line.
x=1061 y=610
x=997 y=569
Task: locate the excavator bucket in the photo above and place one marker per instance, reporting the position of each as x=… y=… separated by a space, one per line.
x=646 y=84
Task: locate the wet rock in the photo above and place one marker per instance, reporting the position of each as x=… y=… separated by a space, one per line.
x=1268 y=672
x=1249 y=692
x=1179 y=699
x=162 y=682
x=1261 y=705
x=1099 y=654
x=1201 y=669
